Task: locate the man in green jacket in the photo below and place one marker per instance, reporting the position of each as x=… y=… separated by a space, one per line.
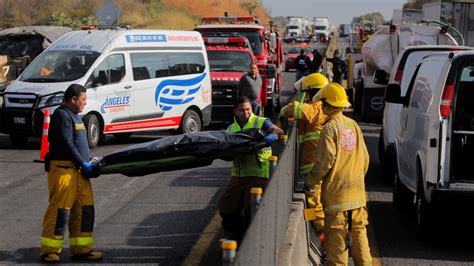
x=248 y=170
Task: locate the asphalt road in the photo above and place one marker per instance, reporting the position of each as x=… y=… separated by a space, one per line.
x=170 y=218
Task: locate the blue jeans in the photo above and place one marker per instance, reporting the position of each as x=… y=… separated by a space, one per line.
x=255 y=106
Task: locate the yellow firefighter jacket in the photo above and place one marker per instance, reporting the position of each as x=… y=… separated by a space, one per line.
x=311 y=121
x=341 y=162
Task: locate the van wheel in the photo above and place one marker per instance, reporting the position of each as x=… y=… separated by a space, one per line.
x=93 y=130
x=18 y=140
x=423 y=213
x=402 y=197
x=190 y=123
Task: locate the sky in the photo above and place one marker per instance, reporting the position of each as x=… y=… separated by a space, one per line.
x=338 y=11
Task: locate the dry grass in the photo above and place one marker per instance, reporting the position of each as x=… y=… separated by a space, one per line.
x=163 y=14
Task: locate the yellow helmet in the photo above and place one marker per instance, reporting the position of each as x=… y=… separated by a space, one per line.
x=314 y=81
x=335 y=95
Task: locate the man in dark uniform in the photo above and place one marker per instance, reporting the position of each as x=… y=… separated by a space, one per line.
x=71 y=202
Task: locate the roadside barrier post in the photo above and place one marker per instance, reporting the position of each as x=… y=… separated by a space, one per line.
x=44 y=139
x=273 y=162
x=255 y=198
x=283 y=139
x=229 y=251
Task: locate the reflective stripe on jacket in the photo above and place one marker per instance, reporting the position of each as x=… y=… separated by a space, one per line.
x=311 y=121
x=251 y=164
x=341 y=162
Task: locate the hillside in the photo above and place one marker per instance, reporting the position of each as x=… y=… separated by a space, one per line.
x=157 y=14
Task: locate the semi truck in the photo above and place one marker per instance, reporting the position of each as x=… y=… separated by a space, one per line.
x=378 y=55
x=295 y=26
x=321 y=28
x=458 y=14
x=267 y=46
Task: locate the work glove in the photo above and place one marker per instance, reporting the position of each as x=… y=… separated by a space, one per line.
x=87 y=170
x=270 y=138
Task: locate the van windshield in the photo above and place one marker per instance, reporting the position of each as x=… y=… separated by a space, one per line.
x=59 y=66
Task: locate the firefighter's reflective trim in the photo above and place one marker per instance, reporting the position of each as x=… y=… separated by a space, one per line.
x=62 y=219
x=304 y=169
x=87 y=221
x=49 y=242
x=345 y=206
x=309 y=136
x=299 y=105
x=81 y=241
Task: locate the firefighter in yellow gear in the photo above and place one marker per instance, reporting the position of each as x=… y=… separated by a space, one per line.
x=70 y=201
x=341 y=163
x=310 y=122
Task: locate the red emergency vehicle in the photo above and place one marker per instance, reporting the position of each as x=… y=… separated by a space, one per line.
x=267 y=47
x=229 y=57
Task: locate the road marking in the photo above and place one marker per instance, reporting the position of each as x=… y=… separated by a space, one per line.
x=202 y=244
x=374 y=250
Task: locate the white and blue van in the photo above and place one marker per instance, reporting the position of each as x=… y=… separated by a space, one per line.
x=136 y=80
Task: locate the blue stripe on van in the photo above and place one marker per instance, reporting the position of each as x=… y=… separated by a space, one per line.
x=174 y=87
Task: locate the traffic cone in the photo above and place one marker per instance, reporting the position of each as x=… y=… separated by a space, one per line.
x=44 y=139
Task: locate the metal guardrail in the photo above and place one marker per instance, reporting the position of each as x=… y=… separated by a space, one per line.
x=265 y=235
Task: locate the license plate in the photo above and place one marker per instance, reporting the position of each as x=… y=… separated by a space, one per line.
x=19 y=120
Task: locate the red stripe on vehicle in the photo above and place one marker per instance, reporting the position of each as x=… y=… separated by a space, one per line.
x=143 y=124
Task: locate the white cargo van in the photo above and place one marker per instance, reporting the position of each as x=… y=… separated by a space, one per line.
x=136 y=80
x=435 y=135
x=401 y=74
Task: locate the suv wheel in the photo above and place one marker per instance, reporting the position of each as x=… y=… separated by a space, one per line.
x=423 y=212
x=402 y=197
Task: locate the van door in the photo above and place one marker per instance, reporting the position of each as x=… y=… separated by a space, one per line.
x=113 y=95
x=462 y=134
x=403 y=137
x=424 y=124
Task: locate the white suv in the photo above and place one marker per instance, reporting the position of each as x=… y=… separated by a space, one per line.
x=435 y=134
x=401 y=74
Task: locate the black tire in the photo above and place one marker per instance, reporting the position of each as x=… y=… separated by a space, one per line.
x=423 y=212
x=93 y=130
x=18 y=140
x=381 y=149
x=402 y=197
x=123 y=136
x=191 y=122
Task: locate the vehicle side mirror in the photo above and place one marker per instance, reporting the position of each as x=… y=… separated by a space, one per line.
x=392 y=94
x=271 y=71
x=380 y=77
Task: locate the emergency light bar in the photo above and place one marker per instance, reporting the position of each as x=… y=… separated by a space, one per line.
x=229 y=19
x=242 y=42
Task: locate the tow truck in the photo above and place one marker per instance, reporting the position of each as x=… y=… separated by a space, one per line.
x=267 y=47
x=229 y=56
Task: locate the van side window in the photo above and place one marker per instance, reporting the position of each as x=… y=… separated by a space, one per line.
x=185 y=64
x=158 y=65
x=111 y=70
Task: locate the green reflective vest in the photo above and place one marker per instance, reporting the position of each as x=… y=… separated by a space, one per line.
x=251 y=164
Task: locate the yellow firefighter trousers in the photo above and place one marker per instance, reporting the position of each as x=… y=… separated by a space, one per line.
x=71 y=204
x=336 y=232
x=313 y=198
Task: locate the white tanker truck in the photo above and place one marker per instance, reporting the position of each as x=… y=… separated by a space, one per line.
x=378 y=55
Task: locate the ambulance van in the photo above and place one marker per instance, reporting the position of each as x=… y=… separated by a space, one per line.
x=136 y=80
